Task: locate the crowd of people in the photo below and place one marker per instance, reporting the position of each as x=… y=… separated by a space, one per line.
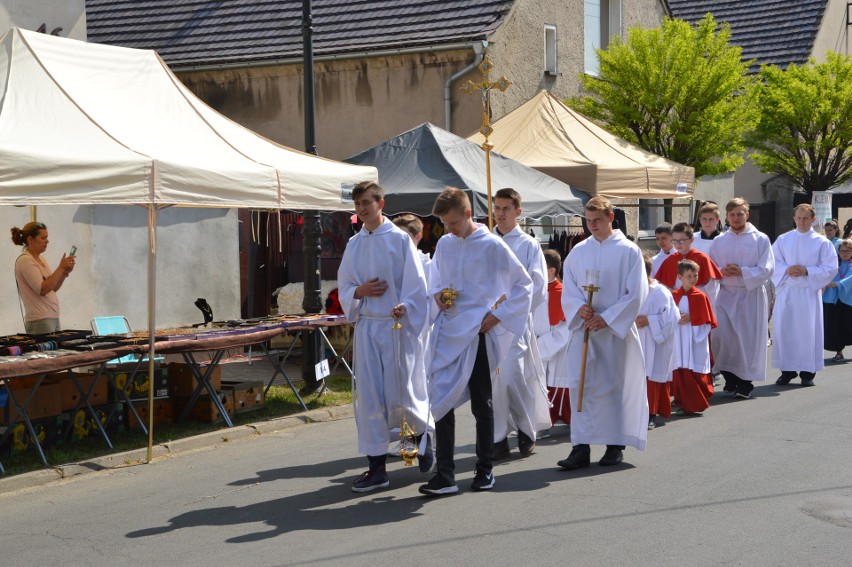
x=621 y=340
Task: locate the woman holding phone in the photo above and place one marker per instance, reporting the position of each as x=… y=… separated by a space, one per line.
x=37 y=283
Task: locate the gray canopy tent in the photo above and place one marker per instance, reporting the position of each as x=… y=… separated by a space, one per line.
x=415 y=166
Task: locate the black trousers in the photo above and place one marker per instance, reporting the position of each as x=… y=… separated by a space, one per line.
x=480 y=405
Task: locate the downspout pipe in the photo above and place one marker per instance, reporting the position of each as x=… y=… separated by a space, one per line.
x=478 y=48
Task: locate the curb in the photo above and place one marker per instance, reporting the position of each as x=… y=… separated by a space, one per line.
x=171 y=448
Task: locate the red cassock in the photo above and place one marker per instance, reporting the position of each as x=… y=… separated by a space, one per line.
x=707 y=270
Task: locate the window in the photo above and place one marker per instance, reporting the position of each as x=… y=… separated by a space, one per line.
x=550 y=50
x=602 y=21
x=650 y=217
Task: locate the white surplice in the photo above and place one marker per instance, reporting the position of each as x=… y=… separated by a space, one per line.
x=797 y=317
x=615 y=401
x=658 y=337
x=519 y=389
x=692 y=343
x=482 y=268
x=552 y=346
x=742 y=308
x=387 y=253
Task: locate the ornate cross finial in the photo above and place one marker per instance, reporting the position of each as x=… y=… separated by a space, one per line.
x=486 y=86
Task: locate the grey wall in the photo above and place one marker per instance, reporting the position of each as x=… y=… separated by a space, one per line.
x=70 y=15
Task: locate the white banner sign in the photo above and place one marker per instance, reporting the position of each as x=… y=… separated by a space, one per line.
x=821 y=200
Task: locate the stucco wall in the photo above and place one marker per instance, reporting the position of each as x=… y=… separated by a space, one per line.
x=70 y=15
x=197 y=252
x=833 y=34
x=517 y=47
x=359 y=103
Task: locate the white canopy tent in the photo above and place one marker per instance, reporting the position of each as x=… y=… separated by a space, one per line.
x=85 y=124
x=548 y=136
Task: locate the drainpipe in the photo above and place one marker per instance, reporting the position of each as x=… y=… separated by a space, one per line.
x=478 y=47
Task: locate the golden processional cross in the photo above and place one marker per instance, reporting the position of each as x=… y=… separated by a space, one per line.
x=486 y=86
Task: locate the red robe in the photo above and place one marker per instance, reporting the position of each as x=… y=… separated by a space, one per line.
x=707 y=270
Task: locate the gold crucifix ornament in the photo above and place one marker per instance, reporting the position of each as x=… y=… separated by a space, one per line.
x=486 y=86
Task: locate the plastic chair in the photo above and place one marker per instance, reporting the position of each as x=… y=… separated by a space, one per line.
x=116 y=325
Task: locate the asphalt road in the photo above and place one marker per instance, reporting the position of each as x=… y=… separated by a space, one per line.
x=764 y=481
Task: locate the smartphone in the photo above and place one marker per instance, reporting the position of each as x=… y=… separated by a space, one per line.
x=73 y=251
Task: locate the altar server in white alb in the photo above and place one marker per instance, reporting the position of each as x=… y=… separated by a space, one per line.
x=471 y=270
x=519 y=385
x=805 y=262
x=615 y=402
x=739 y=343
x=381 y=279
x=656 y=322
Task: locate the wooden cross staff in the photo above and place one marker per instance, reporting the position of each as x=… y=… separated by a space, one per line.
x=591 y=288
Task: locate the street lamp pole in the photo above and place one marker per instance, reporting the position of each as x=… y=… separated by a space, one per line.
x=311 y=228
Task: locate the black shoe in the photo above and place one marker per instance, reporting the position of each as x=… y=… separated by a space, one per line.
x=807 y=382
x=785 y=378
x=371 y=480
x=580 y=457
x=482 y=481
x=525 y=444
x=501 y=450
x=613 y=456
x=731 y=382
x=439 y=486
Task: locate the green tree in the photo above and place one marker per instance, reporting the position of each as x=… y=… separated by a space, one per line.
x=805 y=128
x=680 y=91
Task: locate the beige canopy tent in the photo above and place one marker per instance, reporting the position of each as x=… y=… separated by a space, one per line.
x=545 y=134
x=86 y=123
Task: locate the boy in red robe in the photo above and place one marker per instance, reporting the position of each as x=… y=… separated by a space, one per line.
x=709 y=275
x=692 y=383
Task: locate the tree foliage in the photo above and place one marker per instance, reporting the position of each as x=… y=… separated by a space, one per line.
x=680 y=91
x=805 y=128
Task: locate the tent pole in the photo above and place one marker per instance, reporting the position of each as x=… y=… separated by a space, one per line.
x=152 y=308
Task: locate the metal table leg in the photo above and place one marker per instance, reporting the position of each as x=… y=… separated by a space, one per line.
x=204 y=382
x=84 y=399
x=278 y=365
x=21 y=414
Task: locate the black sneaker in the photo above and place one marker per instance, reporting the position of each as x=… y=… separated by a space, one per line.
x=482 y=481
x=501 y=450
x=744 y=389
x=439 y=486
x=580 y=457
x=371 y=480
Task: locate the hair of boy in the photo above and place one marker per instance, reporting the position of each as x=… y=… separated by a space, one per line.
x=736 y=202
x=451 y=199
x=687 y=266
x=663 y=228
x=685 y=228
x=371 y=187
x=509 y=194
x=844 y=243
x=410 y=224
x=649 y=263
x=553 y=260
x=805 y=207
x=833 y=223
x=709 y=207
x=599 y=204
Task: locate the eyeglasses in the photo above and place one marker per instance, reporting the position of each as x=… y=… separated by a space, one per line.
x=841 y=250
x=681 y=240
